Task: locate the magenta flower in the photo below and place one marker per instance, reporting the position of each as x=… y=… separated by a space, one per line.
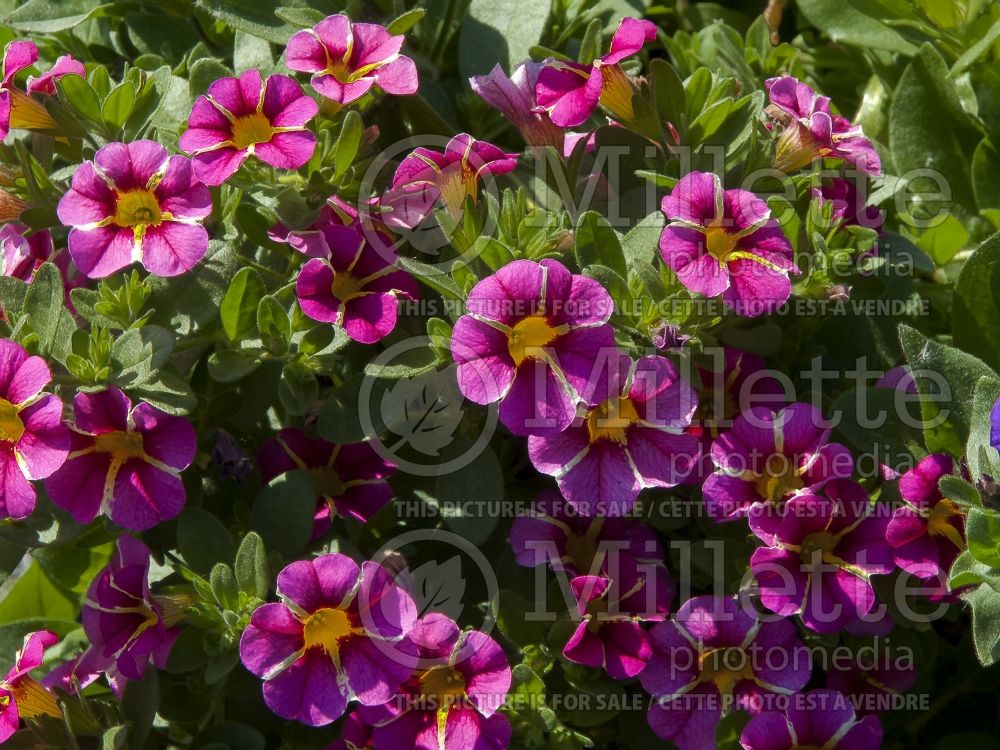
x=34 y=441
x=354 y=734
x=347 y=59
x=46 y=82
x=20 y=253
x=820 y=556
x=769 y=456
x=120 y=617
x=514 y=98
x=870 y=681
x=357 y=288
x=713 y=657
x=124 y=461
x=135 y=203
x=570 y=92
x=21 y=695
x=453 y=698
x=610 y=611
x=338 y=633
x=927 y=532
x=311 y=241
x=726 y=242
x=351 y=480
x=17 y=108
x=426 y=177
x=812 y=130
x=634 y=438
x=550 y=533
x=533 y=339
x=846 y=204
x=817 y=719
x=247 y=116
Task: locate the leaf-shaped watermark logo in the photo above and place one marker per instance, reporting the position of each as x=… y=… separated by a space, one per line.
x=424 y=411
x=437 y=587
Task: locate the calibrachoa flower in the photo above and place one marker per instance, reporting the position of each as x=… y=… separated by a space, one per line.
x=357 y=288
x=311 y=241
x=611 y=609
x=453 y=698
x=820 y=556
x=347 y=59
x=354 y=734
x=350 y=479
x=846 y=206
x=821 y=719
x=532 y=340
x=124 y=461
x=21 y=254
x=713 y=657
x=46 y=82
x=120 y=617
x=577 y=544
x=338 y=633
x=425 y=177
x=769 y=456
x=247 y=116
x=928 y=532
x=872 y=682
x=18 y=109
x=570 y=92
x=134 y=203
x=514 y=97
x=726 y=242
x=812 y=130
x=21 y=695
x=633 y=438
x=33 y=440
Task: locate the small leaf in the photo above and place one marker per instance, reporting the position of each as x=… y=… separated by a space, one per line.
x=252 y=574
x=239 y=306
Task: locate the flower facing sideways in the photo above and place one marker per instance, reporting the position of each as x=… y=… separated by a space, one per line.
x=17 y=108
x=21 y=695
x=514 y=97
x=21 y=255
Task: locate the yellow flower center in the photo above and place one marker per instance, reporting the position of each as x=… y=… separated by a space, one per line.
x=33 y=700
x=822 y=542
x=774 y=485
x=938 y=521
x=251 y=129
x=325 y=628
x=345 y=286
x=121 y=445
x=11 y=426
x=609 y=420
x=137 y=208
x=328 y=482
x=444 y=684
x=719 y=242
x=726 y=667
x=529 y=335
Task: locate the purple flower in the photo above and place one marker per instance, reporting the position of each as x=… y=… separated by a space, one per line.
x=927 y=532
x=514 y=97
x=426 y=177
x=120 y=617
x=817 y=719
x=453 y=698
x=578 y=544
x=311 y=241
x=610 y=611
x=769 y=456
x=713 y=657
x=633 y=438
x=847 y=206
x=570 y=92
x=812 y=130
x=18 y=109
x=351 y=480
x=339 y=633
x=34 y=441
x=354 y=734
x=21 y=254
x=347 y=59
x=357 y=287
x=532 y=340
x=821 y=553
x=726 y=242
x=124 y=461
x=247 y=116
x=135 y=203
x=46 y=82
x=21 y=695
x=872 y=680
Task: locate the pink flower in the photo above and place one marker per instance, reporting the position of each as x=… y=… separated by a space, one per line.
x=872 y=681
x=21 y=254
x=726 y=242
x=246 y=116
x=351 y=480
x=570 y=92
x=348 y=59
x=311 y=241
x=453 y=698
x=425 y=177
x=817 y=719
x=18 y=109
x=812 y=130
x=46 y=82
x=124 y=461
x=357 y=288
x=21 y=695
x=514 y=97
x=135 y=203
x=34 y=441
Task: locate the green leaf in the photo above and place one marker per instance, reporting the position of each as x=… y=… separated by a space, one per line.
x=894 y=441
x=982 y=530
x=250 y=16
x=976 y=308
x=481 y=479
x=239 y=306
x=985 y=603
x=597 y=243
x=283 y=512
x=29 y=592
x=78 y=94
x=984 y=183
x=977 y=49
x=118 y=106
x=406 y=21
x=643 y=240
x=48 y=17
x=493 y=32
x=340 y=420
x=347 y=143
x=668 y=93
x=140 y=702
x=848 y=23
x=230 y=365
x=224 y=587
x=298 y=390
x=44 y=305
x=943 y=240
x=188 y=652
x=252 y=573
x=203 y=540
x=252 y=52
x=982 y=457
x=514 y=625
x=273 y=320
